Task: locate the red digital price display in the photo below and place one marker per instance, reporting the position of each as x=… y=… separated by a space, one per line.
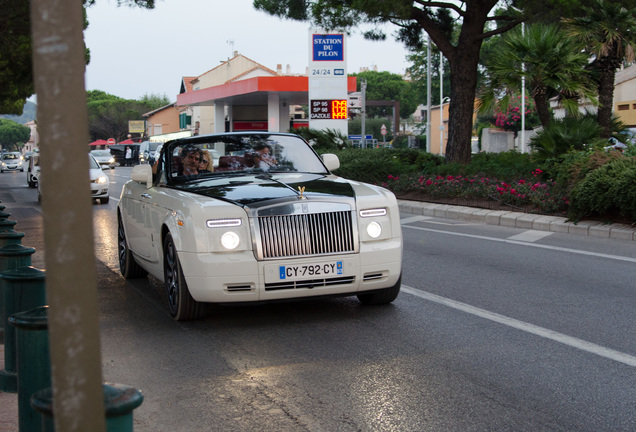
x=339 y=109
x=328 y=109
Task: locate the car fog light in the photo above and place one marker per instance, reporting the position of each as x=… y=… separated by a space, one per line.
x=374 y=230
x=230 y=240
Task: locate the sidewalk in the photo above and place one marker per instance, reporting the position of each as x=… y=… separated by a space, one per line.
x=520 y=220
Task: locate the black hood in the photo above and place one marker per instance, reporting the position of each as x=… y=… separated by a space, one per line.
x=250 y=189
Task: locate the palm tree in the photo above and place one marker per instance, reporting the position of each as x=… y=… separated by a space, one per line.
x=608 y=31
x=552 y=64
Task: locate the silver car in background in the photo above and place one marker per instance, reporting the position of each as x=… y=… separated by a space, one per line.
x=104 y=158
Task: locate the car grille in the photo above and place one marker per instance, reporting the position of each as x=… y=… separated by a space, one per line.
x=306 y=234
x=310 y=284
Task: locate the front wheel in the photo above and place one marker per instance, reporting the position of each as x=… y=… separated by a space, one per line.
x=104 y=200
x=180 y=303
x=381 y=296
x=127 y=265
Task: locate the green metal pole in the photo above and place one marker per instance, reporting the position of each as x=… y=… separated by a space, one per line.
x=34 y=363
x=11 y=257
x=119 y=402
x=10 y=237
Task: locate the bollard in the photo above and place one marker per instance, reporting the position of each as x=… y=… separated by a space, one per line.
x=6 y=224
x=11 y=256
x=23 y=290
x=119 y=402
x=10 y=237
x=34 y=362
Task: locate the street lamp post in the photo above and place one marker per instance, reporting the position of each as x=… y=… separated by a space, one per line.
x=441 y=101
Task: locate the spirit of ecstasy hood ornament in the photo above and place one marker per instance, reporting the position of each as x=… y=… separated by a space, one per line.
x=301 y=189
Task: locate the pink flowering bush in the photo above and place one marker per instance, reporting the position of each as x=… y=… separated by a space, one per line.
x=531 y=194
x=511 y=119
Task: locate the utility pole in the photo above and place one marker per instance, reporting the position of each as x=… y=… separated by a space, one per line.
x=363 y=110
x=428 y=97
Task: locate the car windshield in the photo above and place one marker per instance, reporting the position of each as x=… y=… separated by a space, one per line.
x=92 y=163
x=8 y=156
x=238 y=154
x=101 y=153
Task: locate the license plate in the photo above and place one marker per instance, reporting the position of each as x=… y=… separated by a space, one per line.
x=310 y=271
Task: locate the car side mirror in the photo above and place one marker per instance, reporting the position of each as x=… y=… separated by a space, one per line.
x=331 y=161
x=142 y=174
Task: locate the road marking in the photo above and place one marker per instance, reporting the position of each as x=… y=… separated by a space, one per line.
x=530 y=236
x=540 y=246
x=428 y=220
x=414 y=219
x=526 y=327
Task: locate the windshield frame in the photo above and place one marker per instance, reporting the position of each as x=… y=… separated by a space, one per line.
x=239 y=154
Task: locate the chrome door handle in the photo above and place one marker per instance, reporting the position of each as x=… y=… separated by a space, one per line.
x=145 y=195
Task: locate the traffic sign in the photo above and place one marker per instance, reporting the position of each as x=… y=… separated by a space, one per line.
x=111 y=141
x=383 y=130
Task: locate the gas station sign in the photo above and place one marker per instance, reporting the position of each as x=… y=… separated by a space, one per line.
x=328 y=109
x=327 y=80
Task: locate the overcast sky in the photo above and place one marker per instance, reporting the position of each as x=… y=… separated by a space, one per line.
x=135 y=51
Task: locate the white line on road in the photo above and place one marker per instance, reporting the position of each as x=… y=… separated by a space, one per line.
x=555 y=248
x=526 y=327
x=530 y=236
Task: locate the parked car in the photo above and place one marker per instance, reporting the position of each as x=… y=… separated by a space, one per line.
x=12 y=161
x=104 y=157
x=259 y=227
x=33 y=170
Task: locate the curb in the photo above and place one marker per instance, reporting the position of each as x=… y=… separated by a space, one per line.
x=520 y=220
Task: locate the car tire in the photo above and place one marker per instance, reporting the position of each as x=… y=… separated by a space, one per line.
x=104 y=200
x=127 y=265
x=30 y=182
x=181 y=305
x=381 y=296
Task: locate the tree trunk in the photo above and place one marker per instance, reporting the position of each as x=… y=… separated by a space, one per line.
x=463 y=60
x=607 y=74
x=542 y=105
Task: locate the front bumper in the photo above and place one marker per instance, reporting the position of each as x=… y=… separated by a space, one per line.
x=238 y=277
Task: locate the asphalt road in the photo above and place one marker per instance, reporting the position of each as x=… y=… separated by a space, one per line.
x=496 y=329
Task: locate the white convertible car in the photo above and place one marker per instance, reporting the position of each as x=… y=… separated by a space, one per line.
x=267 y=222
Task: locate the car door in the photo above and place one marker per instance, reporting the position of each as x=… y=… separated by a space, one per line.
x=135 y=197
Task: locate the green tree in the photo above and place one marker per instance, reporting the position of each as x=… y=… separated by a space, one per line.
x=412 y=18
x=108 y=115
x=418 y=71
x=608 y=31
x=155 y=101
x=13 y=135
x=16 y=70
x=551 y=62
x=387 y=86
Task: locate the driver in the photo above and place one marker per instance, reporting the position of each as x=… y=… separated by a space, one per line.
x=190 y=157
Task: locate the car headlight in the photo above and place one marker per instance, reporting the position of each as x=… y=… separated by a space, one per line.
x=374 y=230
x=230 y=240
x=111 y=160
x=101 y=179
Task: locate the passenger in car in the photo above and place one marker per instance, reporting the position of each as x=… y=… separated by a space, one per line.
x=206 y=163
x=263 y=158
x=190 y=157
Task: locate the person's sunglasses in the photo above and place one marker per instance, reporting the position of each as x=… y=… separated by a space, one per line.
x=204 y=161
